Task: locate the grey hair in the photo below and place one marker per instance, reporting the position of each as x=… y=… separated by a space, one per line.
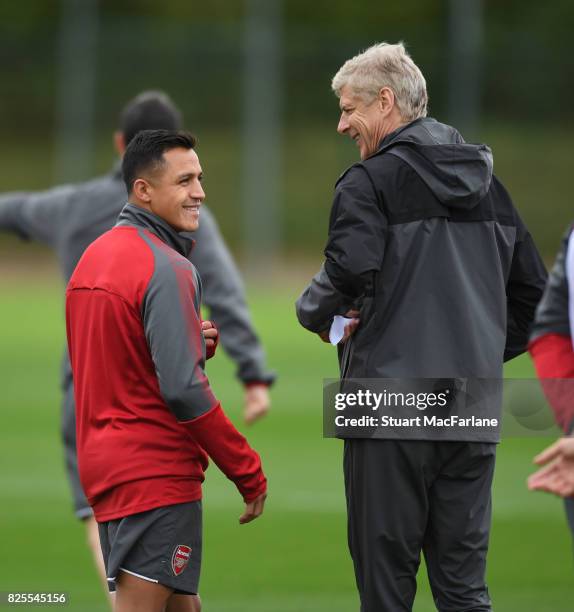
x=385 y=65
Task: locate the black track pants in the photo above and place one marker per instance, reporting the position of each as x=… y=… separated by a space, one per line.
x=407 y=496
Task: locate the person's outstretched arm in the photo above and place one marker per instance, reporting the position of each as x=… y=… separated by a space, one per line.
x=37 y=216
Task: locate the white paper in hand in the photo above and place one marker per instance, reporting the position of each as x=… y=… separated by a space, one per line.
x=337 y=330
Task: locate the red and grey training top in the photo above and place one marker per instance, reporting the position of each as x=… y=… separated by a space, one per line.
x=552 y=337
x=146 y=415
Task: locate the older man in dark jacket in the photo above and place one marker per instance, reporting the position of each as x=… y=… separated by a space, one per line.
x=425 y=243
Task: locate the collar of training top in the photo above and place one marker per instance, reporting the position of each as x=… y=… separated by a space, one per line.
x=139 y=217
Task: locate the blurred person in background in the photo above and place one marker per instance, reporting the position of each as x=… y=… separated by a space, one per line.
x=551 y=348
x=147 y=418
x=70 y=217
x=425 y=243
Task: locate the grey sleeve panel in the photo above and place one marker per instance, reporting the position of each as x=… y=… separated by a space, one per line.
x=357 y=232
x=172 y=325
x=524 y=291
x=37 y=215
x=224 y=296
x=320 y=302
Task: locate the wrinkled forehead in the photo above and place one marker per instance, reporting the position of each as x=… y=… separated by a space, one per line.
x=350 y=97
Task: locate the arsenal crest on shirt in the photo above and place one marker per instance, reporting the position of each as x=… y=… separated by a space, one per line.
x=180 y=559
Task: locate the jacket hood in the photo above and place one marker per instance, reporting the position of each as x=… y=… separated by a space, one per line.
x=458 y=174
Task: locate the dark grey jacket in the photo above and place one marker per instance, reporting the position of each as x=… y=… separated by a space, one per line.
x=426 y=241
x=70 y=217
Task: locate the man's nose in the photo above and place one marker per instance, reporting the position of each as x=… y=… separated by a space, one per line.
x=196 y=192
x=343 y=125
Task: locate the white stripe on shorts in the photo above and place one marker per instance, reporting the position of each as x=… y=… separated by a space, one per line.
x=123 y=569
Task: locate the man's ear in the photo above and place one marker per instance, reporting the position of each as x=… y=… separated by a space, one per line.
x=386 y=100
x=120 y=143
x=142 y=190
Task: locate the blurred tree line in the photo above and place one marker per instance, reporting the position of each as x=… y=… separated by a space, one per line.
x=194 y=50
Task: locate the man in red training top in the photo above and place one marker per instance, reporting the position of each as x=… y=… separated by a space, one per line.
x=552 y=349
x=146 y=416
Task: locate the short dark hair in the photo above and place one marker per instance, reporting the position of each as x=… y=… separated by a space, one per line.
x=149 y=110
x=145 y=152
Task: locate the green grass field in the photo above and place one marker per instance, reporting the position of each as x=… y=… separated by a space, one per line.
x=294 y=559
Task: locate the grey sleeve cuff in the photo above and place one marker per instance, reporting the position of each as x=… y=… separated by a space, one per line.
x=254 y=377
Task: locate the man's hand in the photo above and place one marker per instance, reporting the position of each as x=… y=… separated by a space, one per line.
x=558 y=476
x=257 y=402
x=211 y=336
x=350 y=327
x=253 y=509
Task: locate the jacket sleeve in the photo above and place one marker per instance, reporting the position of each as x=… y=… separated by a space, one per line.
x=354 y=252
x=524 y=289
x=216 y=434
x=320 y=302
x=173 y=332
x=37 y=216
x=172 y=326
x=224 y=296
